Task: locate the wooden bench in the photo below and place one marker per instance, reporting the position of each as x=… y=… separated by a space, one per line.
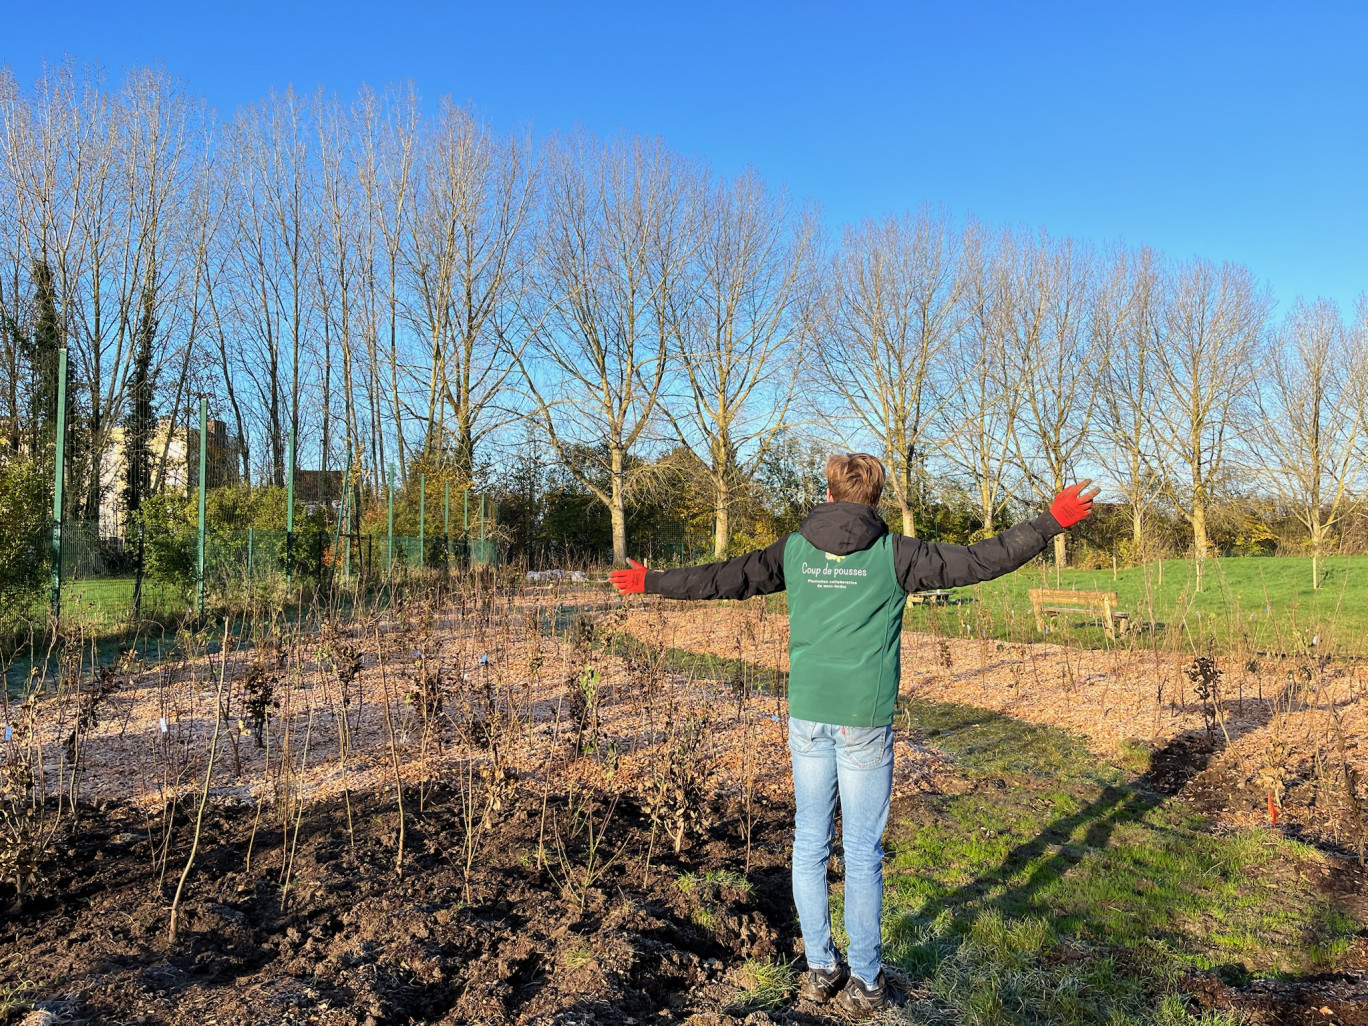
x=1091 y=603
x=936 y=597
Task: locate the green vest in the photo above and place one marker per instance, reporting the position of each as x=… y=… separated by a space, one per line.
x=845 y=632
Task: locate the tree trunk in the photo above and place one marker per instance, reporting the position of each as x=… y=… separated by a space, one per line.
x=617 y=509
x=1317 y=542
x=987 y=508
x=618 y=512
x=721 y=521
x=394 y=371
x=1199 y=540
x=909 y=522
x=465 y=446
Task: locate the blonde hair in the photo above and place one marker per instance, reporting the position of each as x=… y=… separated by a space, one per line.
x=855 y=477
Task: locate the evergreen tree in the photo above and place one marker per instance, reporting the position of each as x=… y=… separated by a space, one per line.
x=41 y=354
x=140 y=421
x=139 y=424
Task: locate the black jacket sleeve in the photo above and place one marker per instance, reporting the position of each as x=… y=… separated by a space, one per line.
x=924 y=565
x=755 y=573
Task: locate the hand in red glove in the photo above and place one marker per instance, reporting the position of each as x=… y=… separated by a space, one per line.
x=630 y=582
x=1073 y=504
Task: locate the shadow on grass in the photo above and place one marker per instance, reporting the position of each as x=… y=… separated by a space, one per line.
x=1054 y=851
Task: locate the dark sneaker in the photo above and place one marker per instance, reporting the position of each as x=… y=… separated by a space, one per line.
x=860 y=999
x=821 y=985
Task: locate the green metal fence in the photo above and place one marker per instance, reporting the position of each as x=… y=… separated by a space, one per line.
x=99 y=575
x=175 y=561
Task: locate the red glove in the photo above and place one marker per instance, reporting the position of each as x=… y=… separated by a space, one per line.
x=1069 y=506
x=630 y=582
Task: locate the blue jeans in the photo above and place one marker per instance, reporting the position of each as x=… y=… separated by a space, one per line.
x=857 y=763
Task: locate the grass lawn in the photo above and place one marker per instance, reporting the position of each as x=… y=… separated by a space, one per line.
x=1058 y=888
x=1247 y=603
x=101 y=606
x=106 y=602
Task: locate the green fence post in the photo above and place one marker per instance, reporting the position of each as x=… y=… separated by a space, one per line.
x=422 y=515
x=249 y=555
x=203 y=481
x=341 y=508
x=482 y=524
x=346 y=558
x=289 y=508
x=465 y=523
x=389 y=552
x=353 y=503
x=446 y=527
x=57 y=476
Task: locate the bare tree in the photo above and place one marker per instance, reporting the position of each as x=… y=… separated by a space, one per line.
x=617 y=233
x=53 y=147
x=1053 y=350
x=898 y=304
x=473 y=200
x=99 y=289
x=1128 y=302
x=338 y=265
x=1311 y=442
x=98 y=176
x=272 y=204
x=388 y=127
x=165 y=135
x=209 y=236
x=16 y=216
x=986 y=397
x=740 y=340
x=187 y=311
x=1212 y=329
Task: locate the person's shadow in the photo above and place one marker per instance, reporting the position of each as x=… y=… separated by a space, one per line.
x=1171 y=768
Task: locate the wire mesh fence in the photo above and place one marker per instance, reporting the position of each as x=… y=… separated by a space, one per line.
x=158 y=570
x=162 y=522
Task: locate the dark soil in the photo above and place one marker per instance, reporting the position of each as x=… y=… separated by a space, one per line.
x=1173 y=768
x=1340 y=998
x=351 y=942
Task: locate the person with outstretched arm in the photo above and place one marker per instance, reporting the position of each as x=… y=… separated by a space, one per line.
x=848 y=579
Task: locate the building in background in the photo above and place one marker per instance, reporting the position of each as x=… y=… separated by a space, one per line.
x=175 y=466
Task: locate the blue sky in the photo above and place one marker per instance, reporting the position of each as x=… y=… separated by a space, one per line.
x=1231 y=131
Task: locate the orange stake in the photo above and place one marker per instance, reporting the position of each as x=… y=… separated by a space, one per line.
x=1272 y=809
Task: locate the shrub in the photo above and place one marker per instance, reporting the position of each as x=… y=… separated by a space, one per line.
x=24 y=537
x=238 y=507
x=171 y=521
